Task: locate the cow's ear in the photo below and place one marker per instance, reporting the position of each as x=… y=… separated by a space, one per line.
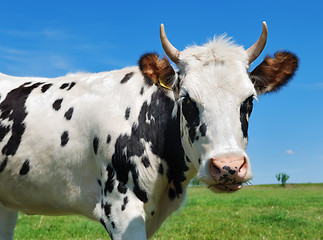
x=157 y=71
x=274 y=72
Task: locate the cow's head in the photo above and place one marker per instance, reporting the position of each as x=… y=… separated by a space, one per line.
x=215 y=93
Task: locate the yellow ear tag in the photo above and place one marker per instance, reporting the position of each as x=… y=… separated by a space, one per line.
x=164 y=86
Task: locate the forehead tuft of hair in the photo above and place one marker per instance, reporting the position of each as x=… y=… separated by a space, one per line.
x=220 y=49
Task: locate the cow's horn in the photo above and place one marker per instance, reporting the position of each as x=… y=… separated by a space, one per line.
x=255 y=50
x=169 y=49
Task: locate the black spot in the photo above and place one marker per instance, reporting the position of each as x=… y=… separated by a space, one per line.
x=64 y=85
x=107 y=209
x=57 y=104
x=191 y=114
x=72 y=84
x=232 y=172
x=145 y=161
x=245 y=112
x=64 y=138
x=46 y=87
x=224 y=179
x=152 y=213
x=103 y=223
x=187 y=159
x=140 y=194
x=125 y=201
x=123 y=166
x=5 y=114
x=25 y=168
x=197 y=138
x=203 y=130
x=109 y=185
x=15 y=110
x=99 y=182
x=161 y=169
x=127 y=114
x=227 y=168
x=95 y=144
x=113 y=225
x=3 y=131
x=142 y=91
x=171 y=194
x=108 y=139
x=3 y=164
x=126 y=77
x=69 y=113
x=122 y=188
x=199 y=161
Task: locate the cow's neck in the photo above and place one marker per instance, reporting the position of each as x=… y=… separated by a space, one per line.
x=175 y=166
x=168 y=144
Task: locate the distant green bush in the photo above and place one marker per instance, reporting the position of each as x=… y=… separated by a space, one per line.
x=282 y=177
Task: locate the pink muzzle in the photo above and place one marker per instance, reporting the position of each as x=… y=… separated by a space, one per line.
x=228 y=172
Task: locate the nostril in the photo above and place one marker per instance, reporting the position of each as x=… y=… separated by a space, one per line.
x=244 y=165
x=243 y=168
x=216 y=169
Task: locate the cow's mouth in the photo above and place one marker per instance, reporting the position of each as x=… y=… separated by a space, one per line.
x=228 y=187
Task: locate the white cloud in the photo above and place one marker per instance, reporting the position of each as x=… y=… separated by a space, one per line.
x=34 y=63
x=7 y=50
x=54 y=34
x=289 y=152
x=30 y=34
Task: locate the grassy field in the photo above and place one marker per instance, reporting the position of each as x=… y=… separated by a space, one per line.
x=258 y=212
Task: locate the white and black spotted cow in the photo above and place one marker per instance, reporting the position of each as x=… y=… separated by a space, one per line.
x=121 y=147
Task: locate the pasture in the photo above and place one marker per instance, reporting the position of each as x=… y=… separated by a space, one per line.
x=256 y=212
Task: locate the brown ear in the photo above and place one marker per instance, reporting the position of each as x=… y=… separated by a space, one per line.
x=158 y=72
x=273 y=73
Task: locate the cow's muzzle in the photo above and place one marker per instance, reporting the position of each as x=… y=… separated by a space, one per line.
x=228 y=172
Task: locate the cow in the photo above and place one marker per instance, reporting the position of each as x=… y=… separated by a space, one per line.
x=121 y=147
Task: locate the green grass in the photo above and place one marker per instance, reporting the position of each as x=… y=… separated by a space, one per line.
x=259 y=212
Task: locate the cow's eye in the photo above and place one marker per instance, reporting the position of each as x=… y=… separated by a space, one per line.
x=180 y=99
x=246 y=106
x=245 y=111
x=182 y=96
x=190 y=111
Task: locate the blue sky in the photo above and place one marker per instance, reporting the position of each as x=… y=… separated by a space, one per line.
x=52 y=38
